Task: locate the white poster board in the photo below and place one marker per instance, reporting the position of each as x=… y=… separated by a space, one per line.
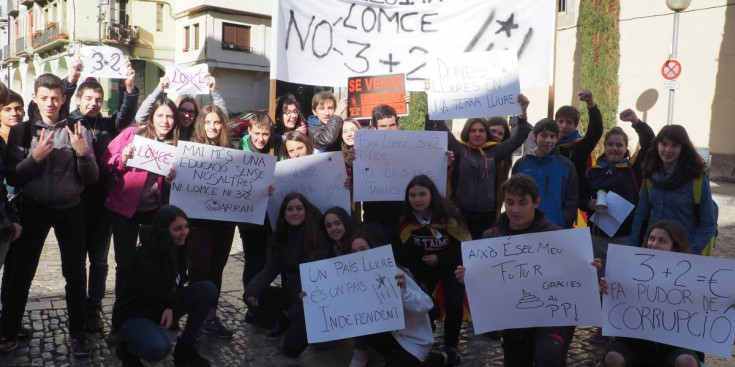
x=103 y=62
x=351 y=295
x=473 y=84
x=187 y=79
x=319 y=177
x=532 y=280
x=386 y=160
x=673 y=298
x=221 y=183
x=325 y=42
x=152 y=156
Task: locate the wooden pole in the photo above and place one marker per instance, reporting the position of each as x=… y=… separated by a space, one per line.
x=272 y=100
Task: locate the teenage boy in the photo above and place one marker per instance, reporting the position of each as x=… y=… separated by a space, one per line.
x=11 y=114
x=385 y=216
x=554 y=174
x=98 y=219
x=325 y=125
x=572 y=144
x=260 y=138
x=50 y=161
x=540 y=346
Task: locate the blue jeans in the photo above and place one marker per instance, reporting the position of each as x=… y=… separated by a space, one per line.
x=146 y=339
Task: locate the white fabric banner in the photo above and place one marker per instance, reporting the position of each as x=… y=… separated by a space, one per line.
x=351 y=295
x=473 y=84
x=531 y=280
x=386 y=160
x=221 y=183
x=668 y=297
x=319 y=177
x=325 y=42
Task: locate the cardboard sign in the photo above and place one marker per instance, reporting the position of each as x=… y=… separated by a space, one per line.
x=152 y=156
x=351 y=295
x=668 y=297
x=386 y=160
x=367 y=92
x=545 y=279
x=187 y=79
x=473 y=84
x=103 y=62
x=325 y=42
x=319 y=177
x=221 y=183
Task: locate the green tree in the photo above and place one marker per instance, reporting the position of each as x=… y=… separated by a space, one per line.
x=599 y=28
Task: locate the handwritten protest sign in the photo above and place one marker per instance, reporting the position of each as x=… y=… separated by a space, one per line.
x=325 y=42
x=187 y=79
x=319 y=177
x=367 y=92
x=473 y=84
x=351 y=295
x=221 y=183
x=673 y=298
x=535 y=279
x=386 y=160
x=152 y=156
x=103 y=62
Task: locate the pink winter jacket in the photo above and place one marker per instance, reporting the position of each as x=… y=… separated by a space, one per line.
x=128 y=182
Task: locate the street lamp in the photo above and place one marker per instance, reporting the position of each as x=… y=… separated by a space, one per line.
x=677 y=6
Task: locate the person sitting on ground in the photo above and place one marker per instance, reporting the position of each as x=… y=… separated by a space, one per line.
x=156 y=293
x=665 y=235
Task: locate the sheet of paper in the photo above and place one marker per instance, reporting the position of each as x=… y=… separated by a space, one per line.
x=617 y=210
x=103 y=62
x=187 y=79
x=152 y=156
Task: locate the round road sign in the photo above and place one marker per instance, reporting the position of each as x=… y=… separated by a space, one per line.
x=671 y=69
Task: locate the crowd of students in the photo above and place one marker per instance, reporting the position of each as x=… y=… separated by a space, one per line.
x=69 y=172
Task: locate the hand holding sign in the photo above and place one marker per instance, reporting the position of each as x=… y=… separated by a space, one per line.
x=150 y=155
x=103 y=62
x=188 y=80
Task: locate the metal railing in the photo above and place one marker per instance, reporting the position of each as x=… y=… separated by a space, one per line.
x=7 y=52
x=54 y=31
x=20 y=45
x=121 y=33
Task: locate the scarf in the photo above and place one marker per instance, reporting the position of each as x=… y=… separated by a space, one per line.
x=570 y=140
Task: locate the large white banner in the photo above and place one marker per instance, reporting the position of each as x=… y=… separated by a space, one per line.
x=473 y=84
x=673 y=298
x=535 y=279
x=221 y=183
x=325 y=42
x=386 y=160
x=351 y=295
x=319 y=177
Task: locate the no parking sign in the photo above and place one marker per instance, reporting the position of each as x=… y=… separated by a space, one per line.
x=671 y=69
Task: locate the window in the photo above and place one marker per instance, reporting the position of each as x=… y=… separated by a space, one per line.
x=562 y=6
x=236 y=37
x=186 y=38
x=159 y=17
x=196 y=36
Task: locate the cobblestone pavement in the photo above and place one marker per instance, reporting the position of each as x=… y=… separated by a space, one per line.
x=49 y=344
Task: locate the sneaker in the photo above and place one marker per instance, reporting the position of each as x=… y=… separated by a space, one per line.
x=24 y=332
x=215 y=327
x=360 y=358
x=453 y=356
x=95 y=324
x=6 y=345
x=187 y=355
x=598 y=338
x=81 y=346
x=125 y=357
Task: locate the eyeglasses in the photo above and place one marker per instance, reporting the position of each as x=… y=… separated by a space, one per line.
x=291 y=113
x=187 y=112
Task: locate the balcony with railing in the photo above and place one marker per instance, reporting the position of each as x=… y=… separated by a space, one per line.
x=121 y=33
x=13 y=7
x=7 y=53
x=54 y=31
x=27 y=3
x=20 y=46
